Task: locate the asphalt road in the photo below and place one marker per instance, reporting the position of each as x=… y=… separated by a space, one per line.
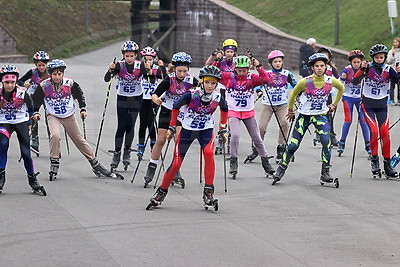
x=87 y=221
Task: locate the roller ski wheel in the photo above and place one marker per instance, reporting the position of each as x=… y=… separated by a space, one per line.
x=157 y=198
x=126 y=166
x=151 y=206
x=335 y=182
x=377 y=175
x=117 y=176
x=35 y=186
x=213 y=205
x=52 y=176
x=40 y=191
x=388 y=171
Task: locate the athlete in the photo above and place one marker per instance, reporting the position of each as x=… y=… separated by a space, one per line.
x=313 y=109
x=195 y=110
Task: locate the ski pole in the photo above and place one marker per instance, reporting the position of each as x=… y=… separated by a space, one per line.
x=66 y=141
x=162 y=162
x=356 y=136
x=30 y=135
x=391 y=126
x=201 y=165
x=84 y=127
x=223 y=152
x=145 y=143
x=104 y=113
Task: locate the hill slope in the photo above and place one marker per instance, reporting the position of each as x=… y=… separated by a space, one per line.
x=362 y=22
x=58 y=26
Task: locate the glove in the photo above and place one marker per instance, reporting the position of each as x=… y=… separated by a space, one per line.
x=223 y=134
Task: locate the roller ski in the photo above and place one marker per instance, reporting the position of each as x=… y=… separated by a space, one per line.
x=233 y=167
x=178 y=180
x=388 y=170
x=126 y=158
x=115 y=160
x=340 y=148
x=2 y=180
x=54 y=166
x=279 y=173
x=269 y=170
x=208 y=198
x=157 y=198
x=36 y=187
x=140 y=152
x=326 y=177
x=151 y=170
x=280 y=149
x=35 y=145
x=252 y=155
x=99 y=170
x=376 y=170
x=317 y=139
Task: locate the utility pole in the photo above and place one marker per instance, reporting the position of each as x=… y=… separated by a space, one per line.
x=337 y=23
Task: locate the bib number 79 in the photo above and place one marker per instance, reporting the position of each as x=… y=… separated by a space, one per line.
x=241 y=102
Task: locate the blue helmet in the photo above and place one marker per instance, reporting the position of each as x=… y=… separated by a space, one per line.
x=41 y=56
x=56 y=64
x=378 y=48
x=317 y=56
x=181 y=58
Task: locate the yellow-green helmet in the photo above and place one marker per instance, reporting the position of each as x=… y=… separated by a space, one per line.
x=242 y=62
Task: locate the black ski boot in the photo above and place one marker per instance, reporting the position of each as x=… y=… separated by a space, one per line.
x=317 y=139
x=36 y=187
x=269 y=170
x=115 y=159
x=340 y=148
x=151 y=170
x=208 y=198
x=99 y=170
x=388 y=169
x=326 y=176
x=252 y=155
x=126 y=158
x=54 y=166
x=157 y=198
x=280 y=172
x=376 y=170
x=334 y=141
x=233 y=167
x=280 y=149
x=219 y=147
x=35 y=145
x=2 y=179
x=178 y=180
x=140 y=151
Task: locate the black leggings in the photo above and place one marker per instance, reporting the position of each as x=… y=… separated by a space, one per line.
x=127 y=112
x=147 y=115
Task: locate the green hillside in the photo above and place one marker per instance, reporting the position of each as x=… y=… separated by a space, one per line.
x=58 y=26
x=362 y=22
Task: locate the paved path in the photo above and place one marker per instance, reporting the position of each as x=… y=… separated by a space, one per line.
x=86 y=221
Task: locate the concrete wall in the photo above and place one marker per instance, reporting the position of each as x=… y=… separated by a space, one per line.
x=202 y=26
x=8 y=48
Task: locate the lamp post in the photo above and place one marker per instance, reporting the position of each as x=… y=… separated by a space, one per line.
x=337 y=23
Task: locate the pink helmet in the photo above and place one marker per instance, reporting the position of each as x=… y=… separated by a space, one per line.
x=274 y=54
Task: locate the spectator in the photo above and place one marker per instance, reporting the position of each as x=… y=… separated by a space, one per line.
x=306 y=50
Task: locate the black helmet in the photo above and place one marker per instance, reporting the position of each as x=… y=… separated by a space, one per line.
x=210 y=71
x=378 y=48
x=315 y=57
x=325 y=50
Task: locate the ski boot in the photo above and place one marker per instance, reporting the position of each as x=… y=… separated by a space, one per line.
x=326 y=176
x=178 y=180
x=151 y=170
x=140 y=151
x=317 y=139
x=98 y=169
x=279 y=173
x=395 y=160
x=280 y=149
x=35 y=145
x=208 y=198
x=2 y=179
x=388 y=170
x=54 y=166
x=126 y=158
x=340 y=148
x=218 y=148
x=252 y=155
x=233 y=167
x=334 y=141
x=368 y=148
x=157 y=198
x=115 y=159
x=36 y=187
x=376 y=171
x=269 y=170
